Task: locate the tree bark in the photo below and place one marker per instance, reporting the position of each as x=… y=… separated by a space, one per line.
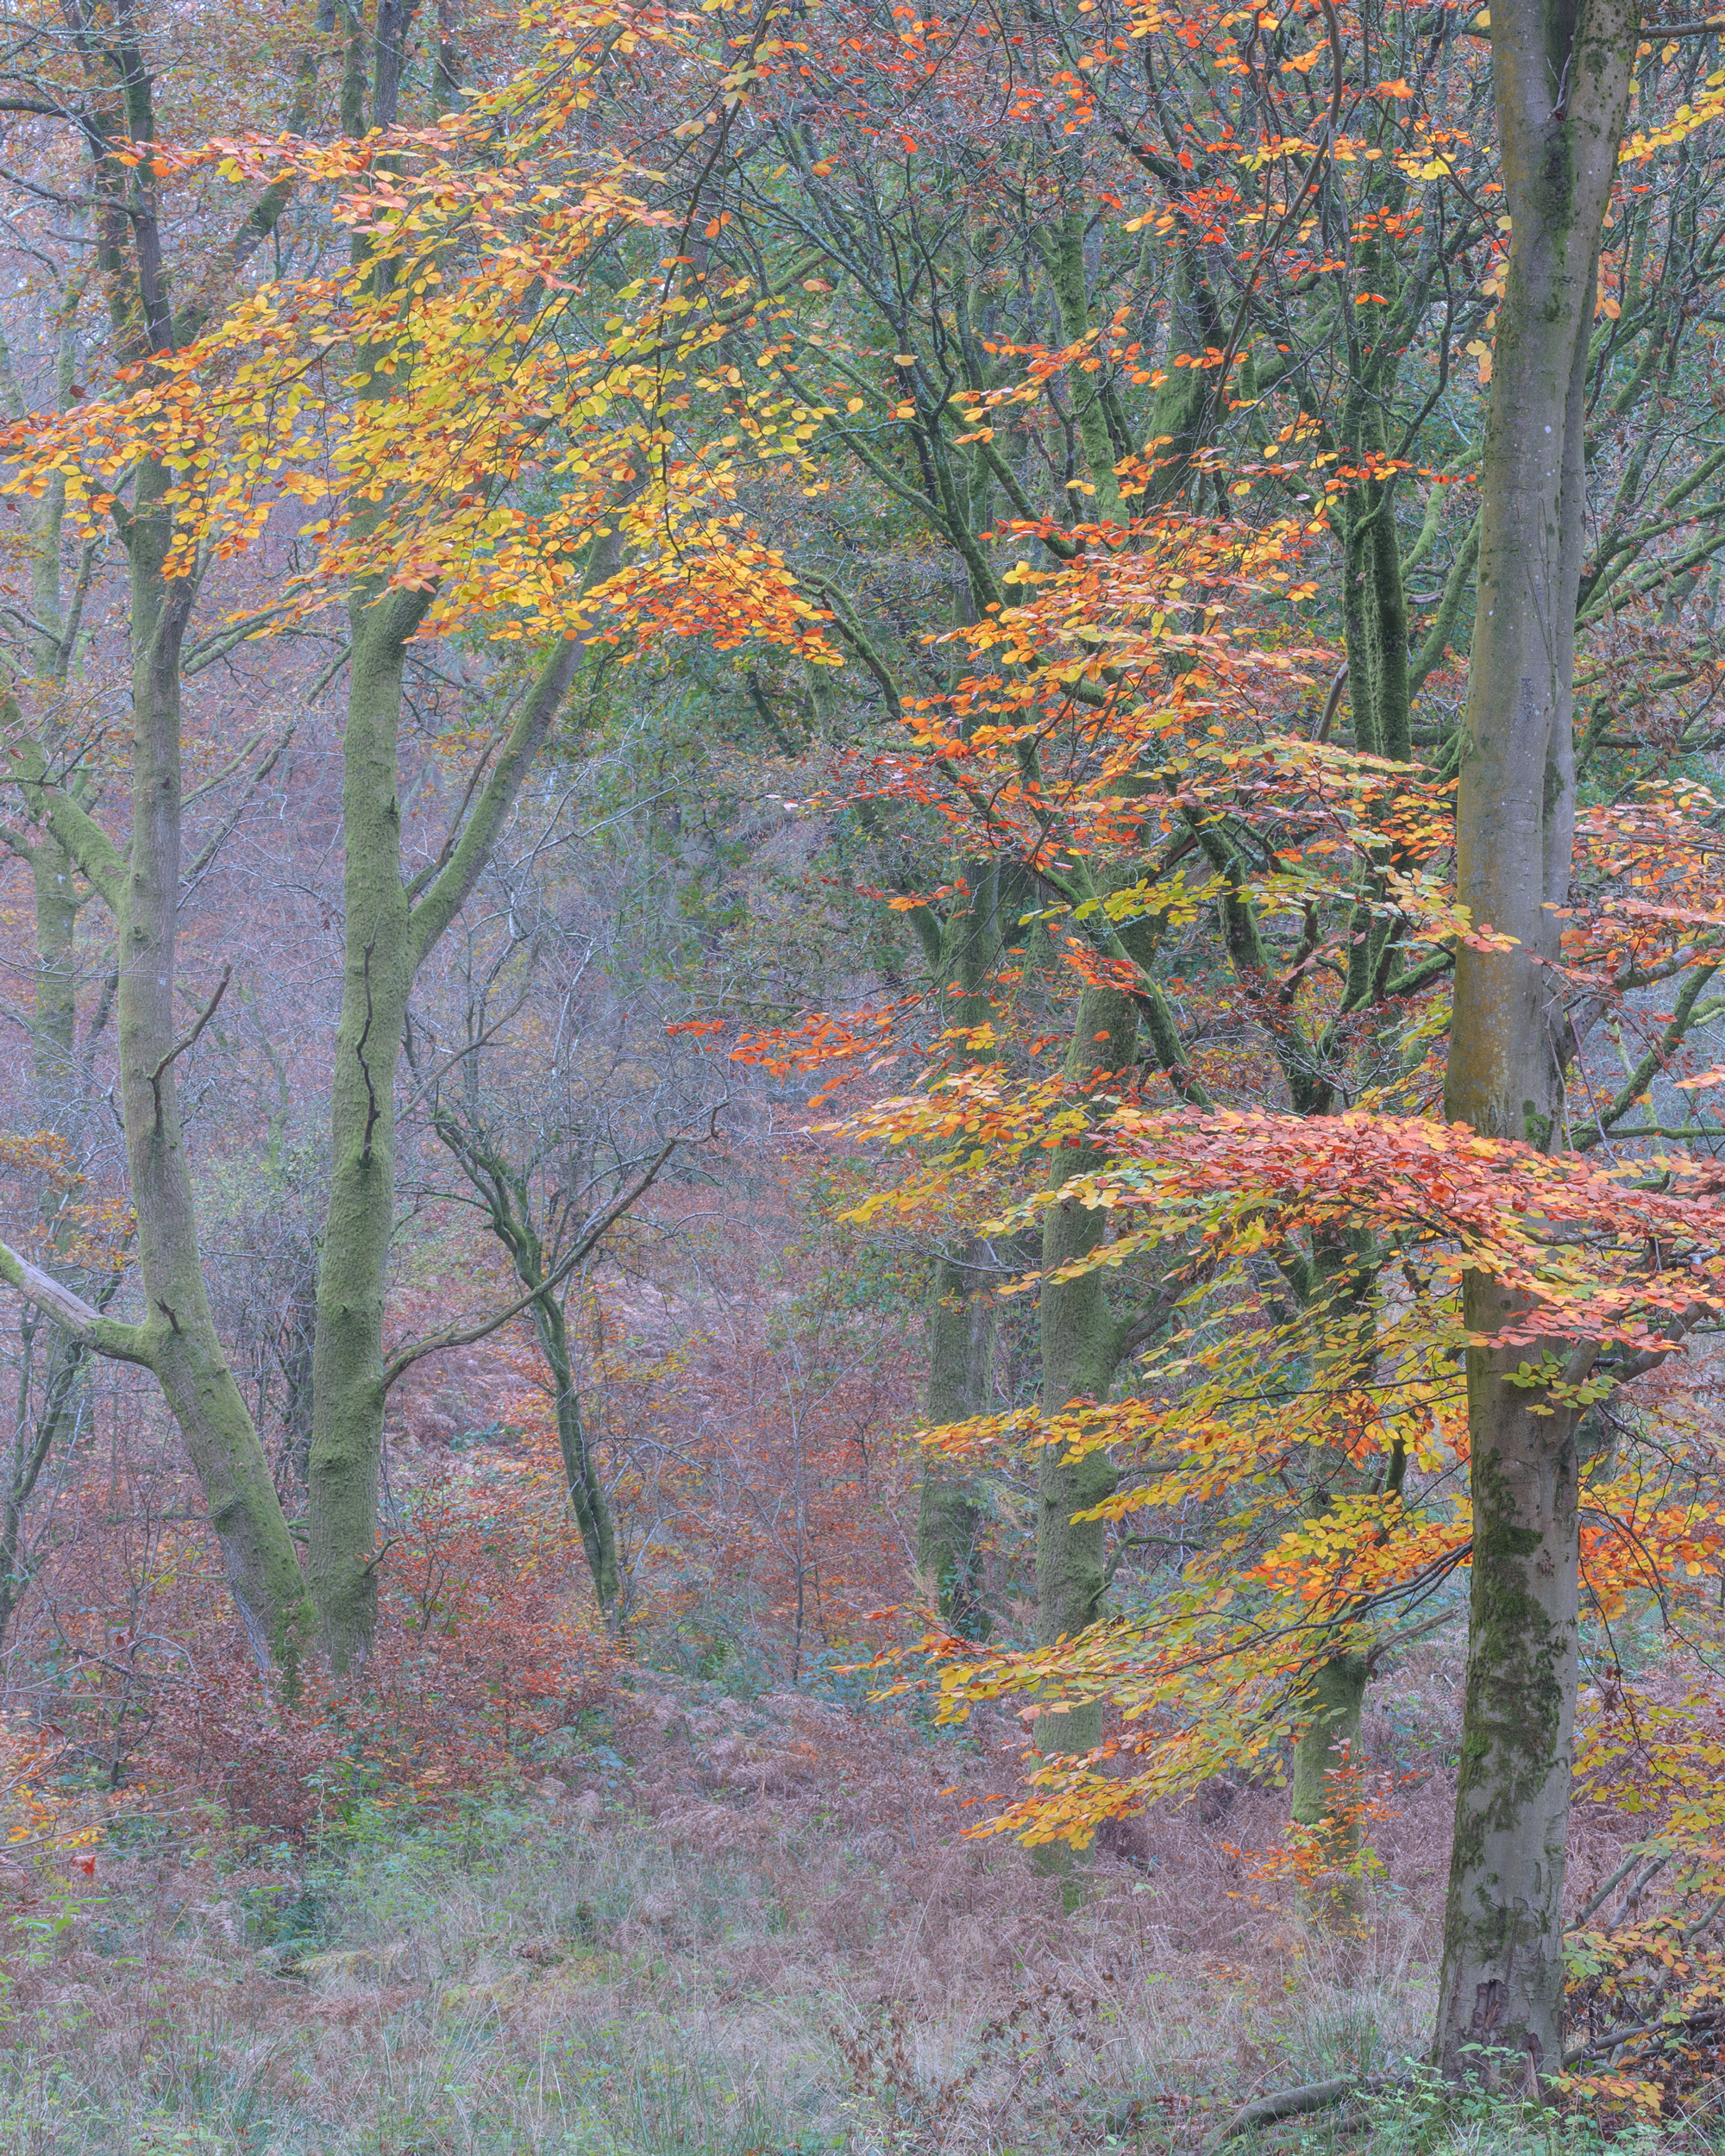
x=1081 y=1348
x=262 y=1564
x=345 y=1454
x=961 y=1370
x=1561 y=79
x=505 y=1192
x=387 y=938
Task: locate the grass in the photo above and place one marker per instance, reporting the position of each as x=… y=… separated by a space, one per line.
x=806 y=1956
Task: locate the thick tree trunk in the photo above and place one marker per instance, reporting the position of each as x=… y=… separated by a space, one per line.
x=262 y=1565
x=1561 y=85
x=386 y=936
x=1501 y=1988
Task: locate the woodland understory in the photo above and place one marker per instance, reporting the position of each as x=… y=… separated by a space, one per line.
x=862 y=982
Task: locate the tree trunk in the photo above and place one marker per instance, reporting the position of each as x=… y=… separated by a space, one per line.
x=1080 y=1350
x=262 y=1565
x=1561 y=88
x=386 y=937
x=586 y=1485
x=346 y=1382
x=962 y=1316
x=961 y=1371
x=1502 y=1987
x=1331 y=1737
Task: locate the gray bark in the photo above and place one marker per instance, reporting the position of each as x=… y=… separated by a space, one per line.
x=1561 y=79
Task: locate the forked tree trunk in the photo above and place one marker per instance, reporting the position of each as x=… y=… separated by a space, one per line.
x=1561 y=80
x=388 y=930
x=505 y=1192
x=177 y=1339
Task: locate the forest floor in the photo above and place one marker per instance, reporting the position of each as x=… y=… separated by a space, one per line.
x=707 y=1925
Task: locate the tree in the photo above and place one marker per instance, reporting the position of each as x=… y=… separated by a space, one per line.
x=1502 y=1987
x=109 y=100
x=437 y=339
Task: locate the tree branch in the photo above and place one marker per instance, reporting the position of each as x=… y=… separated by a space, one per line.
x=464 y=1335
x=83 y=837
x=449 y=889
x=180 y=1046
x=82 y=1320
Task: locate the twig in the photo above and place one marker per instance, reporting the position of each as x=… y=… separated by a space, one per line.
x=1614 y=2038
x=1603 y=1895
x=1331 y=704
x=180 y=1047
x=208 y=852
x=465 y=1336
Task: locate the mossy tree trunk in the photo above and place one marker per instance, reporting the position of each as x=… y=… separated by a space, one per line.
x=345 y=1452
x=504 y=1191
x=177 y=1339
x=262 y=1564
x=961 y=1385
x=1331 y=1737
x=962 y=1309
x=1082 y=1344
x=390 y=925
x=1082 y=1341
x=1561 y=79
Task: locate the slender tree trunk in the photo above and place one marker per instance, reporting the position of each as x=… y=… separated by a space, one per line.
x=586 y=1486
x=1080 y=1352
x=961 y=1371
x=961 y=1319
x=1561 y=80
x=33 y=1437
x=345 y=1454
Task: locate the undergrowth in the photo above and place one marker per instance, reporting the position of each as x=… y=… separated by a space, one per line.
x=790 y=1950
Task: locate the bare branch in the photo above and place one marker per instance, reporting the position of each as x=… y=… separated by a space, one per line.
x=81 y=1320
x=464 y=1335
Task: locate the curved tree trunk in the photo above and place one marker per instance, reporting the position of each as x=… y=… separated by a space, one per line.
x=262 y=1564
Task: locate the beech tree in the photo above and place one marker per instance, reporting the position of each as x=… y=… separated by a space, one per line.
x=99 y=78
x=1510 y=1038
